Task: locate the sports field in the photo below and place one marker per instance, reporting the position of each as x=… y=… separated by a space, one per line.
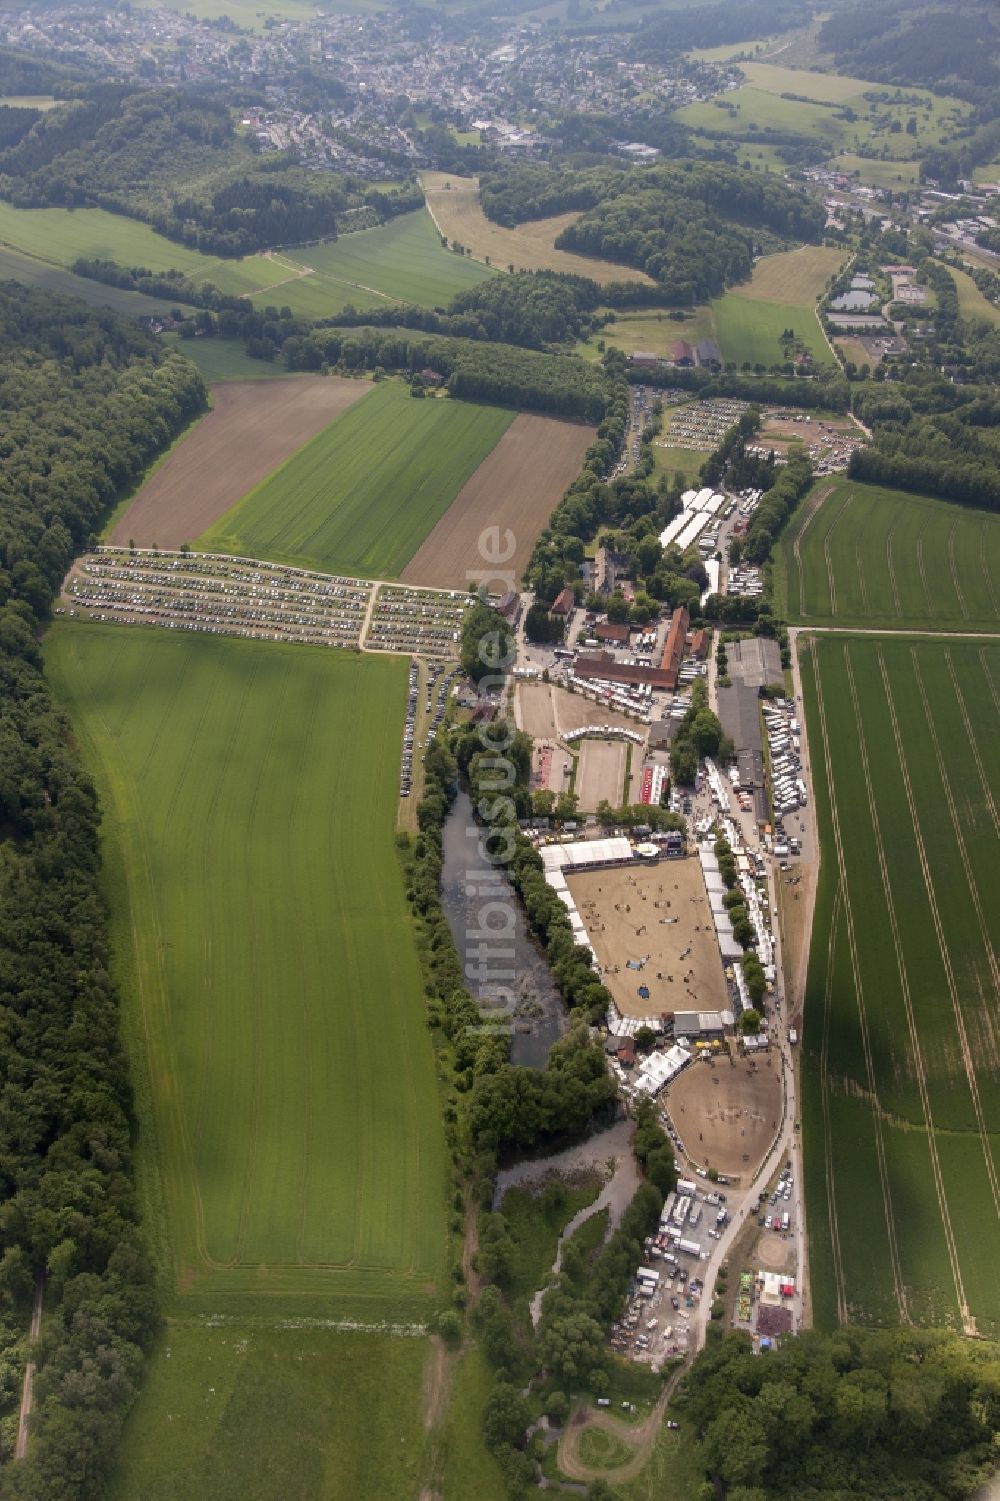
x=901 y=1049
x=454 y=206
x=291 y=1153
x=857 y=555
x=363 y=495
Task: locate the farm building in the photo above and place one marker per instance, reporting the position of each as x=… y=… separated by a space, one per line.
x=645 y=359
x=707 y=352
x=604 y=666
x=673 y=648
x=607 y=630
x=564 y=603
x=681 y=353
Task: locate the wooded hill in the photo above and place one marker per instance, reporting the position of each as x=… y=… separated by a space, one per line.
x=176 y=160
x=692 y=226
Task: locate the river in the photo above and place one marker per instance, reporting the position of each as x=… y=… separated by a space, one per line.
x=540 y=1016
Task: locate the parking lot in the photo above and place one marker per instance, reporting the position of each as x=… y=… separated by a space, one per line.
x=657 y=1323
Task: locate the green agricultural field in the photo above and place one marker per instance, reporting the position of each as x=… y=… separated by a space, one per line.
x=363 y=495
x=750 y=329
x=60 y=235
x=855 y=555
x=291 y=1154
x=240 y=1412
x=15 y=266
x=226 y=359
x=901 y=1061
x=400 y=261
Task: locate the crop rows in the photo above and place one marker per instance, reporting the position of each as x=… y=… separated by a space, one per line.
x=901 y=1076
x=880 y=558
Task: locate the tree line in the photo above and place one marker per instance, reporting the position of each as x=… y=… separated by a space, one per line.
x=89 y=401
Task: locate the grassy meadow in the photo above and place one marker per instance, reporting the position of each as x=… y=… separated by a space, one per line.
x=17 y=266
x=900 y=1063
x=971 y=302
x=362 y=496
x=240 y=1412
x=884 y=559
x=454 y=205
x=897 y=175
x=400 y=261
x=226 y=359
x=847 y=114
x=291 y=1152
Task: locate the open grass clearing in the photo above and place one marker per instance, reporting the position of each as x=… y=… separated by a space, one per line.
x=750 y=329
x=226 y=360
x=516 y=488
x=901 y=1067
x=877 y=174
x=253 y=427
x=455 y=208
x=971 y=302
x=990 y=173
x=885 y=559
x=763 y=104
x=363 y=495
x=240 y=1412
x=60 y=235
x=291 y=1155
x=793 y=278
x=402 y=260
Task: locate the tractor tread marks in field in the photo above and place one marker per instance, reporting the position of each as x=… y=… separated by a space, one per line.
x=890 y=565
x=812 y=510
x=972 y=741
x=883 y=1169
x=923 y=575
x=828 y=556
x=963 y=1040
x=920 y=1071
x=954 y=572
x=984 y=564
x=843 y=1315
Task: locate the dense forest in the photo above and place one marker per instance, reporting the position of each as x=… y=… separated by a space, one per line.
x=89 y=400
x=953 y=48
x=176 y=160
x=901 y=1415
x=691 y=226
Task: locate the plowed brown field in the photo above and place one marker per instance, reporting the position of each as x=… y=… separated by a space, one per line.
x=516 y=487
x=252 y=428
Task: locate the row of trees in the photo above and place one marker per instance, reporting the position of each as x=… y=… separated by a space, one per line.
x=89 y=401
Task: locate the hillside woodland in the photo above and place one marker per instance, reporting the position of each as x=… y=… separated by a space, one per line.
x=176 y=160
x=88 y=401
x=694 y=227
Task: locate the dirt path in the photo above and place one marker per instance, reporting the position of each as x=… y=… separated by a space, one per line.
x=640 y=1437
x=21 y=1447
